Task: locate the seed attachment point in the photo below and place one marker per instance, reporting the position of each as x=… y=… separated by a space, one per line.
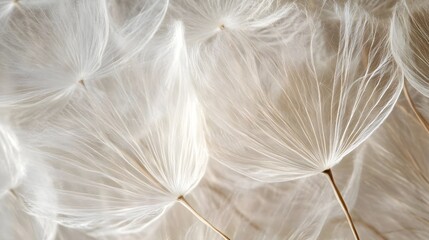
x=82 y=82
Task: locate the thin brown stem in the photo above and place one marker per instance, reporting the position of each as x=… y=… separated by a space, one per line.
x=185 y=203
x=13 y=193
x=419 y=116
x=341 y=201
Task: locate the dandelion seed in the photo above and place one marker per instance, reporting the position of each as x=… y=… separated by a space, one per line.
x=124 y=167
x=324 y=108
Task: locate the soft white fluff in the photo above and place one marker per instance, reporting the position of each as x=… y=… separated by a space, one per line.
x=324 y=107
x=393 y=191
x=119 y=164
x=51 y=55
x=15 y=223
x=112 y=110
x=12 y=161
x=410 y=43
x=292 y=210
x=46 y=52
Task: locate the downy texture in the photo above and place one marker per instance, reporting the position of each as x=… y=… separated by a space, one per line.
x=393 y=193
x=48 y=53
x=51 y=55
x=319 y=111
x=189 y=119
x=12 y=161
x=410 y=43
x=15 y=223
x=18 y=178
x=116 y=170
x=291 y=210
x=8 y=8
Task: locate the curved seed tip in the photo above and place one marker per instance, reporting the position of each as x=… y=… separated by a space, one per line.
x=12 y=191
x=328 y=172
x=82 y=82
x=222 y=27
